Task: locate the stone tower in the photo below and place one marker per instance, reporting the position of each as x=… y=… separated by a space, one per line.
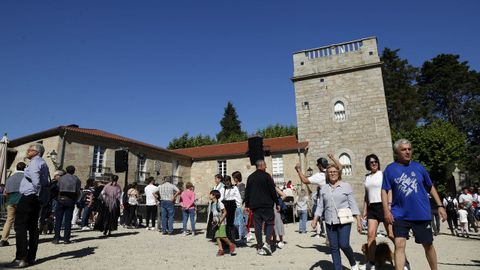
x=341 y=108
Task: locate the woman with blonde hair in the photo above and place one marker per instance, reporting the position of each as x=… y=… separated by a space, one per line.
x=336 y=199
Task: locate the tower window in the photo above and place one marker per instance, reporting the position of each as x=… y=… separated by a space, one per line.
x=346 y=161
x=339 y=111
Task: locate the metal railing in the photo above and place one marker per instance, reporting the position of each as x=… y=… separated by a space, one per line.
x=101 y=173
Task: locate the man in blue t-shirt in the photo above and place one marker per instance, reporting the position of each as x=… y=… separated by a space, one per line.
x=408 y=184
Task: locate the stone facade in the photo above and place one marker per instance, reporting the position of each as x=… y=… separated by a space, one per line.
x=78 y=150
x=341 y=107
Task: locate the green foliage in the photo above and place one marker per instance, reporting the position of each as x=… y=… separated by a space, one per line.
x=231 y=129
x=403 y=101
x=451 y=91
x=448 y=86
x=185 y=141
x=277 y=130
x=438 y=146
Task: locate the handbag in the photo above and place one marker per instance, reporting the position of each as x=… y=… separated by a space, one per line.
x=345 y=215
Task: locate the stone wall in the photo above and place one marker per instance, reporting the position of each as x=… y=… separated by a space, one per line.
x=50 y=143
x=355 y=79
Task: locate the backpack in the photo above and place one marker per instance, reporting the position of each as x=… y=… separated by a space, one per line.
x=450 y=205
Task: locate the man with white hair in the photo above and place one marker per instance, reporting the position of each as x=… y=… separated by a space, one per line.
x=409 y=184
x=26 y=219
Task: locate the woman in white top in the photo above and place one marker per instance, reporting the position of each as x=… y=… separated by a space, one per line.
x=232 y=200
x=372 y=206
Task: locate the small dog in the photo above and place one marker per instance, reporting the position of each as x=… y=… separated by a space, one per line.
x=383 y=254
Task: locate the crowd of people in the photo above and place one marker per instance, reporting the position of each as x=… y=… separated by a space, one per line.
x=402 y=198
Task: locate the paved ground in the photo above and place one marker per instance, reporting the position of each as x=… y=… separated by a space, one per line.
x=141 y=249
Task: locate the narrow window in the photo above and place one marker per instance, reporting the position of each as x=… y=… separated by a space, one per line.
x=346 y=161
x=98 y=163
x=339 y=111
x=141 y=168
x=277 y=170
x=222 y=167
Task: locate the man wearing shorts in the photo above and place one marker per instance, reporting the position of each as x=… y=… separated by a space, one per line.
x=409 y=184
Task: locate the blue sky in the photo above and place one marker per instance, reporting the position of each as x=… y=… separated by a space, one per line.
x=151 y=70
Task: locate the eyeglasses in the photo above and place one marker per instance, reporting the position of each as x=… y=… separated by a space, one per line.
x=373 y=162
x=333 y=172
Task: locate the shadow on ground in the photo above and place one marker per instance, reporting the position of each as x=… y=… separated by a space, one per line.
x=74 y=254
x=474 y=263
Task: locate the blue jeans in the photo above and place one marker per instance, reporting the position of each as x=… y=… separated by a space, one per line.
x=86 y=215
x=167 y=216
x=302 y=223
x=240 y=223
x=339 y=236
x=186 y=214
x=64 y=213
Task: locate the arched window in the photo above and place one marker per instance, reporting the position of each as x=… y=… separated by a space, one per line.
x=346 y=161
x=339 y=111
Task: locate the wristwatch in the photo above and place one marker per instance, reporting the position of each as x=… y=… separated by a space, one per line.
x=438 y=206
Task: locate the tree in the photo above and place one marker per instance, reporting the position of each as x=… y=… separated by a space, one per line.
x=451 y=91
x=448 y=87
x=277 y=130
x=438 y=146
x=231 y=129
x=403 y=104
x=185 y=141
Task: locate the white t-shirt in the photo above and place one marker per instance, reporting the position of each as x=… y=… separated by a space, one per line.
x=318 y=179
x=217 y=212
x=462 y=215
x=465 y=198
x=373 y=187
x=149 y=191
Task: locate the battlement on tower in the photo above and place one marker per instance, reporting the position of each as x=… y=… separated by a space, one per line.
x=334 y=58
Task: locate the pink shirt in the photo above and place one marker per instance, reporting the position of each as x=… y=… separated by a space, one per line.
x=188 y=199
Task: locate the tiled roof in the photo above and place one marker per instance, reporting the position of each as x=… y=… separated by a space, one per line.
x=275 y=145
x=89 y=132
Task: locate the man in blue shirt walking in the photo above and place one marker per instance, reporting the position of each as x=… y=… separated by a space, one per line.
x=26 y=219
x=409 y=184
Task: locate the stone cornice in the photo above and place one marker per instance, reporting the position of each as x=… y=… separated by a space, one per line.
x=336 y=71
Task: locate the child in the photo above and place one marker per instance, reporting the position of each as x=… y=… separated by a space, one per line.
x=302 y=208
x=219 y=215
x=463 y=217
x=279 y=228
x=188 y=207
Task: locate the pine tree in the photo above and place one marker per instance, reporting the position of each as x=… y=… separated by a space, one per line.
x=231 y=129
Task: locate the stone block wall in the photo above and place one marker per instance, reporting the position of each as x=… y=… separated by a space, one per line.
x=365 y=128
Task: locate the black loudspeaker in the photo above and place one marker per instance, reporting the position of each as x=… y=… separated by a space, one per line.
x=11 y=155
x=121 y=161
x=255 y=149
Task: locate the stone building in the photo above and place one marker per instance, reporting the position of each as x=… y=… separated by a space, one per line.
x=341 y=107
x=92 y=152
x=207 y=161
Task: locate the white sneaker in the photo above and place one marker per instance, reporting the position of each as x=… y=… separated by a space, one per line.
x=280 y=245
x=249 y=237
x=355 y=267
x=147 y=228
x=261 y=252
x=407 y=266
x=85 y=228
x=75 y=226
x=267 y=249
x=184 y=233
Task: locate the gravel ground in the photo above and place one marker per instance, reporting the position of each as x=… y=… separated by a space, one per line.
x=142 y=249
